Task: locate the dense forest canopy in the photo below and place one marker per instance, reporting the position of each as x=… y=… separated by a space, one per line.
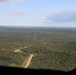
x=53 y=48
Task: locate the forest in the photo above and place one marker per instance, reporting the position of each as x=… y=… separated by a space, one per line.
x=53 y=48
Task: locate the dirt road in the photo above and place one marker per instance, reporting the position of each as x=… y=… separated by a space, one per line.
x=29 y=60
x=19 y=50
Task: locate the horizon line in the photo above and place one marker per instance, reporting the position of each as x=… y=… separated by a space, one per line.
x=36 y=26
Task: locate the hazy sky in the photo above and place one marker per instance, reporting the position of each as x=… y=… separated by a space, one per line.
x=56 y=13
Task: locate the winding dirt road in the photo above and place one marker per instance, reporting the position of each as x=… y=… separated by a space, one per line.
x=29 y=60
x=19 y=50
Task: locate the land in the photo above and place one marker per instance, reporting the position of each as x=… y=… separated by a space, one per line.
x=29 y=61
x=53 y=48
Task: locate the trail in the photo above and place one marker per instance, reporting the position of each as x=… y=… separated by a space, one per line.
x=19 y=50
x=29 y=60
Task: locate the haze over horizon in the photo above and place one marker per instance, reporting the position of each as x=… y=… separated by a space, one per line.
x=42 y=13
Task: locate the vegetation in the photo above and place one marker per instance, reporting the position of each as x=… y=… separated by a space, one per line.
x=54 y=48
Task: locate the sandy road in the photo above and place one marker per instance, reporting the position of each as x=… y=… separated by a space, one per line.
x=19 y=50
x=29 y=60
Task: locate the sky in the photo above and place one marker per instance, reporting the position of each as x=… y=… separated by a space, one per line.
x=53 y=13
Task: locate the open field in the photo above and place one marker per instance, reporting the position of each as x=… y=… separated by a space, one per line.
x=53 y=48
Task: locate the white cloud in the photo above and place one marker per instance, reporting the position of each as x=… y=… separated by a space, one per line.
x=63 y=16
x=17 y=13
x=9 y=1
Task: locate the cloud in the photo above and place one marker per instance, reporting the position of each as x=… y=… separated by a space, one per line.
x=9 y=1
x=17 y=13
x=62 y=16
